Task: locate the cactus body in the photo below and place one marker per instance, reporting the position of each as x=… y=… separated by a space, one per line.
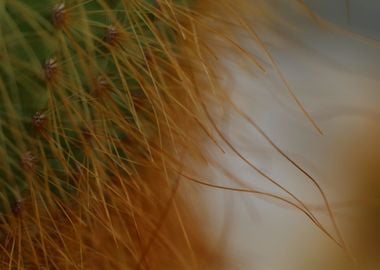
x=90 y=92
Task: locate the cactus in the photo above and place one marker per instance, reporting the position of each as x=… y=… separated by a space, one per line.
x=91 y=97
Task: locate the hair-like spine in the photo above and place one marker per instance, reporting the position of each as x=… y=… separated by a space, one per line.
x=106 y=106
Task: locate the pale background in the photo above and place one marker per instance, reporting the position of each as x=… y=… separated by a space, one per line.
x=336 y=75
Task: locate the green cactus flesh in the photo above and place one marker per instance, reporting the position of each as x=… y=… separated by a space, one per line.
x=71 y=78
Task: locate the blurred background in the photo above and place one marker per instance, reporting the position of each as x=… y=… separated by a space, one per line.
x=332 y=64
